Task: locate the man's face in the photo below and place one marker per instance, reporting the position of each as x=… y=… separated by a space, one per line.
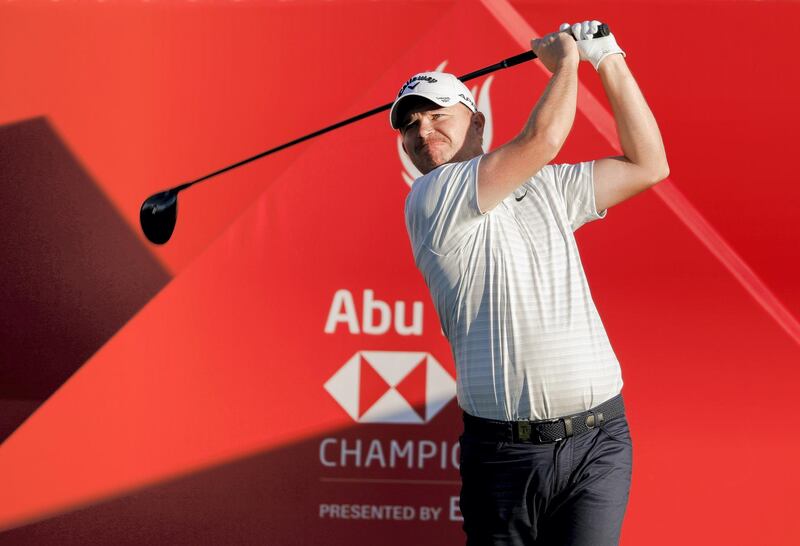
x=433 y=135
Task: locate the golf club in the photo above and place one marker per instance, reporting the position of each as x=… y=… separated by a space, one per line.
x=159 y=212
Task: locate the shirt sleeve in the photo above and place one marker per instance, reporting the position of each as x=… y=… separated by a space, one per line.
x=442 y=208
x=575 y=185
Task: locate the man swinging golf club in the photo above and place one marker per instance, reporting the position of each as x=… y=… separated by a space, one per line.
x=546 y=452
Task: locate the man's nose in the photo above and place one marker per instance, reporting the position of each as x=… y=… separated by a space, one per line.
x=425 y=126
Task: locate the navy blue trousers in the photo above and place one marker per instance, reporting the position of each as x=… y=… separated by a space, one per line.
x=571 y=492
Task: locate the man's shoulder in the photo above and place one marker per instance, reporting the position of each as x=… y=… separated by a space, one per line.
x=446 y=173
x=554 y=175
x=442 y=197
x=546 y=173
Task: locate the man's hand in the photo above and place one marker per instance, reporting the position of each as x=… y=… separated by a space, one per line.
x=556 y=50
x=592 y=49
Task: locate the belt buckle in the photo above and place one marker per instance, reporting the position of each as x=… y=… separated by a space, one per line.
x=524 y=430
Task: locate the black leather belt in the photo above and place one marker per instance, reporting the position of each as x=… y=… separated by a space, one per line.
x=547 y=431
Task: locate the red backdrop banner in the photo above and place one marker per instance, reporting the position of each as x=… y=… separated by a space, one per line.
x=276 y=373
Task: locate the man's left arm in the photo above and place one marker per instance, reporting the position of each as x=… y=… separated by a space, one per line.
x=644 y=162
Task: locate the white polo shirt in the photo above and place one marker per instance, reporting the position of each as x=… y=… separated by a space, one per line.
x=511 y=293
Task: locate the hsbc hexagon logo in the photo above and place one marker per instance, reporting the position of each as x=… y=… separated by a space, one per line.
x=392 y=387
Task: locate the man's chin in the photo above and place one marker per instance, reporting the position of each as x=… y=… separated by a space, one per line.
x=431 y=164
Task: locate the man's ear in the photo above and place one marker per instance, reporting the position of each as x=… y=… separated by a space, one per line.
x=403 y=144
x=478 y=122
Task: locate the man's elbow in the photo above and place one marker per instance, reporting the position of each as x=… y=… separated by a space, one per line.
x=552 y=140
x=657 y=173
x=544 y=146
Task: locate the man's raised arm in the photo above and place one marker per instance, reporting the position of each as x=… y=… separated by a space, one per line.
x=644 y=161
x=506 y=168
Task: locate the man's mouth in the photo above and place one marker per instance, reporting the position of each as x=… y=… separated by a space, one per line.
x=430 y=144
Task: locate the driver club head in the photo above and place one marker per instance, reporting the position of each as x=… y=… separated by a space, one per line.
x=158 y=215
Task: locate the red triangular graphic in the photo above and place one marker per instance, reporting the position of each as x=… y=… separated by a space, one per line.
x=412 y=387
x=371 y=387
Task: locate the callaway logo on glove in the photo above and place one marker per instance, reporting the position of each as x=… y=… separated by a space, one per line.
x=592 y=49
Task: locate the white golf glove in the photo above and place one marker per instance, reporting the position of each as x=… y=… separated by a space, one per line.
x=590 y=48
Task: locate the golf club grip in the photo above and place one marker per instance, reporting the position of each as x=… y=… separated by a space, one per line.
x=602 y=31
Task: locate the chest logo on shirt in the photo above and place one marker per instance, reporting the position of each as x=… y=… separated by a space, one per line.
x=481 y=93
x=520 y=197
x=392 y=387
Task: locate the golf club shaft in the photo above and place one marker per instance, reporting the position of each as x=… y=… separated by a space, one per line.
x=506 y=63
